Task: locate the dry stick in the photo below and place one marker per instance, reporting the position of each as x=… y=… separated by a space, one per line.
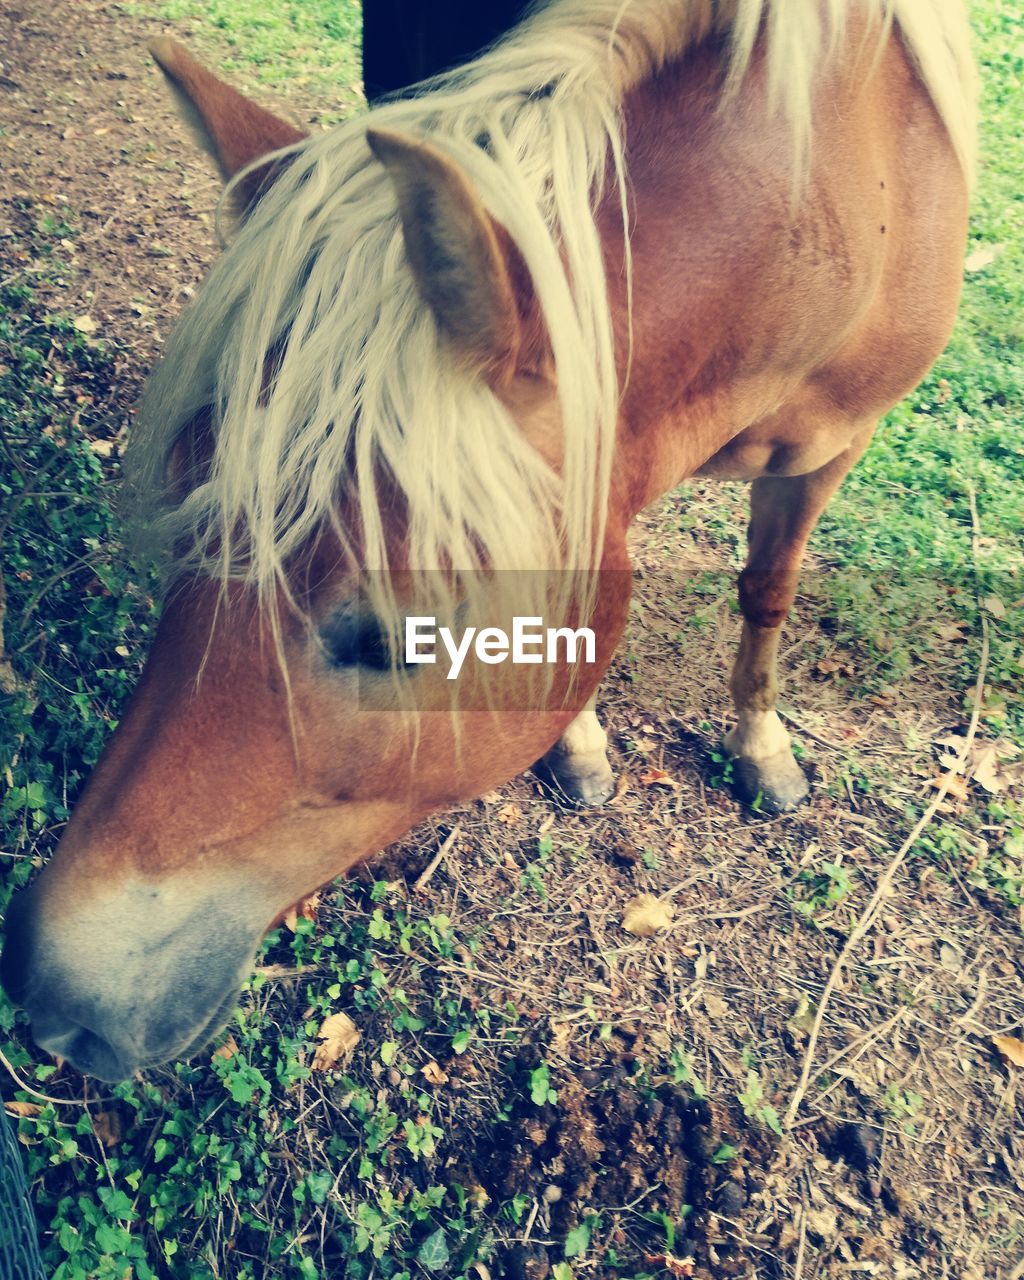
x=46 y=1097
x=531 y=1220
x=435 y=861
x=870 y=914
x=798 y=1268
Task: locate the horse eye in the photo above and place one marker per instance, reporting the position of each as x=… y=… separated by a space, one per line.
x=353 y=637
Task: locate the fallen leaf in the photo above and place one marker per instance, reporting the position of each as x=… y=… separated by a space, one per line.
x=102 y=448
x=986 y=763
x=645 y=914
x=509 y=814
x=1011 y=1049
x=674 y=1266
x=657 y=778
x=957 y=787
x=107 y=1127
x=338 y=1036
x=821 y=1222
x=305 y=907
x=985 y=770
x=788 y=1236
x=85 y=324
x=227 y=1050
x=22 y=1108
x=433 y=1074
x=801 y=1022
x=995 y=606
x=561 y=1034
x=983 y=257
x=834 y=666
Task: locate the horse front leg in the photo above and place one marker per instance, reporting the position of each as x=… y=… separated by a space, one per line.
x=765 y=770
x=578 y=762
x=783 y=513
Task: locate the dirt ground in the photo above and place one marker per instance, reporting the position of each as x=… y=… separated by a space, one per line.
x=905 y=1156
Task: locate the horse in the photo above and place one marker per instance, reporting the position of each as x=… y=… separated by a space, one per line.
x=458 y=342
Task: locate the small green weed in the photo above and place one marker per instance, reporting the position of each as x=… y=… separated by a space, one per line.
x=754 y=1105
x=821 y=890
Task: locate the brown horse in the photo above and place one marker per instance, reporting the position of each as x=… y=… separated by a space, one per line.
x=636 y=242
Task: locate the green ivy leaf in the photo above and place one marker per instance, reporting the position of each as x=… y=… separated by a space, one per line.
x=433 y=1252
x=577 y=1241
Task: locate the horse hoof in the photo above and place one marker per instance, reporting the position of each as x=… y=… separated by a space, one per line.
x=586 y=787
x=773 y=786
x=592 y=790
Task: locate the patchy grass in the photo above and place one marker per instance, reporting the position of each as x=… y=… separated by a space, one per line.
x=532 y=1087
x=72 y=612
x=300 y=46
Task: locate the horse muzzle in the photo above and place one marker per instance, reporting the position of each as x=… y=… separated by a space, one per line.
x=115 y=991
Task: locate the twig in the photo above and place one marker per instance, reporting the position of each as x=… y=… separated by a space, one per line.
x=735 y=915
x=870 y=913
x=271 y=972
x=80 y=562
x=798 y=1268
x=45 y=1097
x=435 y=861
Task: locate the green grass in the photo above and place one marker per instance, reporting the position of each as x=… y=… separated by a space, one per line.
x=217 y=1172
x=902 y=524
x=905 y=509
x=307 y=45
x=73 y=612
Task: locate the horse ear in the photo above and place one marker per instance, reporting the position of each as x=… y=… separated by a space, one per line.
x=464 y=263
x=234 y=130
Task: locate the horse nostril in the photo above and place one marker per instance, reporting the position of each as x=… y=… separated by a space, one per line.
x=96 y=1057
x=84 y=1049
x=46 y=999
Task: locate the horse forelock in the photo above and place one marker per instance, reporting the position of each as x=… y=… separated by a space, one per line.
x=317 y=288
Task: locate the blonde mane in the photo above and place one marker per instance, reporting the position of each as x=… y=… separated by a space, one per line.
x=317 y=288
